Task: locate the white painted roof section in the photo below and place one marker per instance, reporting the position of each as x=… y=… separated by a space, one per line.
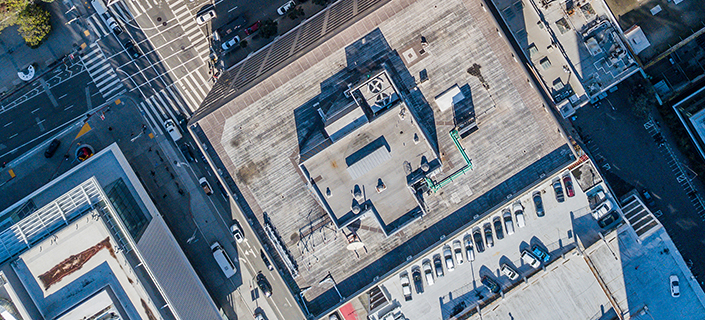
x=99 y=305
x=447 y=99
x=637 y=39
x=369 y=162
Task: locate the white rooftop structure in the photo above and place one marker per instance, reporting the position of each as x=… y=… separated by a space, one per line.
x=96 y=247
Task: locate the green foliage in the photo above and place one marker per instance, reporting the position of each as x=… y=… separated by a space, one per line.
x=9 y=11
x=34 y=24
x=322 y=3
x=642 y=99
x=296 y=12
x=243 y=44
x=268 y=29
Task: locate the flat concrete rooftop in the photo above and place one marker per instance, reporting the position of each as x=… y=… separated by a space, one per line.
x=258 y=136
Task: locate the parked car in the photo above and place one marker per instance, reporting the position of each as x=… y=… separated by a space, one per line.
x=236 y=232
x=186 y=151
x=428 y=271
x=529 y=258
x=458 y=251
x=603 y=209
x=568 y=186
x=264 y=285
x=675 y=287
x=51 y=149
x=497 y=222
x=558 y=189
x=477 y=236
x=266 y=260
x=538 y=203
x=112 y=24
x=258 y=315
x=132 y=49
x=469 y=252
x=508 y=223
x=229 y=44
x=508 y=271
x=286 y=7
x=610 y=220
x=418 y=281
x=254 y=27
x=490 y=284
x=206 y=16
x=405 y=285
x=438 y=265
x=519 y=215
x=205 y=185
x=540 y=253
x=648 y=199
x=448 y=257
x=488 y=235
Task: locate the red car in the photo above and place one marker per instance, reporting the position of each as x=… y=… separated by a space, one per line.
x=251 y=29
x=568 y=186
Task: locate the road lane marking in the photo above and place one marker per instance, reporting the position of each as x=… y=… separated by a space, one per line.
x=12 y=136
x=233 y=9
x=63 y=96
x=8 y=124
x=69 y=107
x=35 y=110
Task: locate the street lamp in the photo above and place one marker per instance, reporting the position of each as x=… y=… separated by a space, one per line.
x=329 y=278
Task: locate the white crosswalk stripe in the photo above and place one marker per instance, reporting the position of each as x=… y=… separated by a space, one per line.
x=97 y=25
x=101 y=72
x=139 y=7
x=163 y=105
x=121 y=11
x=194 y=33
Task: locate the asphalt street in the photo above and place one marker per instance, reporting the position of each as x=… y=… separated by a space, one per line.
x=630 y=158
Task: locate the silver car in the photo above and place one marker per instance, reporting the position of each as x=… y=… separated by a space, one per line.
x=469 y=252
x=428 y=271
x=508 y=223
x=458 y=251
x=448 y=257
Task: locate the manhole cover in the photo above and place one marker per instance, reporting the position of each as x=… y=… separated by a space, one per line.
x=159 y=18
x=164 y=24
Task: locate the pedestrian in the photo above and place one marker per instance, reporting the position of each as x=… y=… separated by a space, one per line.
x=153 y=173
x=110 y=128
x=150 y=149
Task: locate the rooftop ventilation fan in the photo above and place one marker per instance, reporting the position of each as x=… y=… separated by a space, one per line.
x=383 y=99
x=375 y=85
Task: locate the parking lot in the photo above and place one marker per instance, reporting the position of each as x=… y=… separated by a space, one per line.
x=462 y=286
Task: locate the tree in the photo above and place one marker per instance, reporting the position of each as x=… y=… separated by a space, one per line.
x=296 y=12
x=268 y=29
x=642 y=99
x=9 y=11
x=34 y=24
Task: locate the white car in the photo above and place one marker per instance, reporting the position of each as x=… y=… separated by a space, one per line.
x=519 y=214
x=428 y=271
x=448 y=257
x=237 y=233
x=508 y=223
x=405 y=285
x=603 y=209
x=229 y=44
x=205 y=185
x=675 y=288
x=205 y=17
x=509 y=272
x=469 y=252
x=173 y=131
x=286 y=7
x=529 y=258
x=458 y=251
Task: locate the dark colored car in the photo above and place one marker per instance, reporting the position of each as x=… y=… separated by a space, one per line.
x=492 y=285
x=438 y=265
x=540 y=253
x=498 y=228
x=266 y=260
x=186 y=151
x=51 y=149
x=569 y=186
x=133 y=50
x=479 y=245
x=418 y=281
x=648 y=198
x=609 y=220
x=538 y=203
x=264 y=285
x=251 y=29
x=488 y=235
x=558 y=188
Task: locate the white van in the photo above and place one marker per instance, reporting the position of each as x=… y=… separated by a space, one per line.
x=99 y=7
x=223 y=260
x=173 y=130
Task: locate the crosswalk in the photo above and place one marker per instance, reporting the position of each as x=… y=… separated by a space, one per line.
x=193 y=86
x=162 y=106
x=101 y=72
x=97 y=26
